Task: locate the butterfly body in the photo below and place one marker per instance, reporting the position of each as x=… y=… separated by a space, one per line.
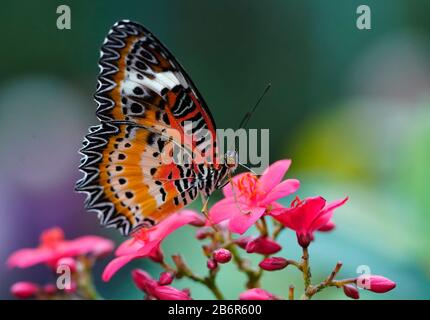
x=155 y=150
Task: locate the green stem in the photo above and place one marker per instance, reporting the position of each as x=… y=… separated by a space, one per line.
x=306 y=269
x=85 y=280
x=329 y=282
x=253 y=276
x=210 y=283
x=182 y=270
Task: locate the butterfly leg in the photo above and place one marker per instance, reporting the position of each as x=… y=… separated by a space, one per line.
x=204 y=210
x=205 y=201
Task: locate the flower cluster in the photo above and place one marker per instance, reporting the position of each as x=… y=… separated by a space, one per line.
x=72 y=258
x=249 y=201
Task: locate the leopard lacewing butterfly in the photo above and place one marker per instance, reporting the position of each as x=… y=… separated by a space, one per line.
x=144 y=94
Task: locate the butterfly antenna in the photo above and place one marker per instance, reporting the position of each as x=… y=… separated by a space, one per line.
x=248 y=115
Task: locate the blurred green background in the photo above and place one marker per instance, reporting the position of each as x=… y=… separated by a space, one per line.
x=349 y=106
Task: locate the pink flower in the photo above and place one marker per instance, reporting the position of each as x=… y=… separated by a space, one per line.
x=257 y=294
x=273 y=263
x=146 y=242
x=156 y=290
x=222 y=255
x=263 y=245
x=250 y=197
x=24 y=289
x=375 y=283
x=351 y=291
x=307 y=216
x=53 y=247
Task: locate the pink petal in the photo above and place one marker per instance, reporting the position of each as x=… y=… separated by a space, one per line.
x=228 y=190
x=129 y=246
x=222 y=210
x=257 y=294
x=86 y=244
x=241 y=222
x=329 y=226
x=25 y=258
x=300 y=218
x=310 y=210
x=171 y=223
x=148 y=247
x=273 y=175
x=117 y=264
x=285 y=188
x=335 y=204
x=325 y=215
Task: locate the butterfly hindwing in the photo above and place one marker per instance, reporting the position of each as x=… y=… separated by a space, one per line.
x=126 y=180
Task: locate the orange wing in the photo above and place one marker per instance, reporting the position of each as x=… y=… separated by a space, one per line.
x=150 y=113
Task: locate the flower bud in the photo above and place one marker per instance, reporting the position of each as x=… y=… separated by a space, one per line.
x=375 y=283
x=166 y=278
x=203 y=233
x=49 y=289
x=222 y=255
x=212 y=264
x=187 y=291
x=143 y=280
x=351 y=291
x=263 y=245
x=24 y=289
x=273 y=263
x=170 y=293
x=69 y=262
x=243 y=241
x=257 y=294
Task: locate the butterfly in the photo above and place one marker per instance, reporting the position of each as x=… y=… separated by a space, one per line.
x=149 y=111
